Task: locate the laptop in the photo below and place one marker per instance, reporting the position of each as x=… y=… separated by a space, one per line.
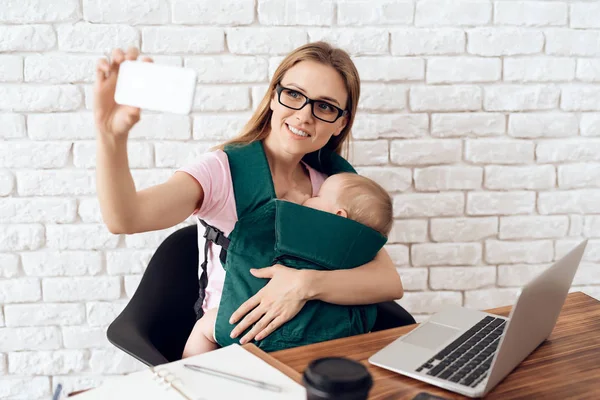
x=470 y=352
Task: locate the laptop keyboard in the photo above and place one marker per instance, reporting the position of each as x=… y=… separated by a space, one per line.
x=467 y=360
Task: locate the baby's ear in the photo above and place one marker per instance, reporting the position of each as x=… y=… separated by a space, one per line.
x=341 y=212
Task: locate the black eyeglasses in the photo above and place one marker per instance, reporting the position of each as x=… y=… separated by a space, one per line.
x=295 y=100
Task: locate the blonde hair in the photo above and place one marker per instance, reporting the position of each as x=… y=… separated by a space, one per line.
x=366 y=202
x=257 y=127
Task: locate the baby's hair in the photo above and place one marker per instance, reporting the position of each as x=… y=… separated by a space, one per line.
x=366 y=202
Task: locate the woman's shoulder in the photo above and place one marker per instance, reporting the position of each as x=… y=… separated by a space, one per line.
x=215 y=154
x=212 y=172
x=207 y=161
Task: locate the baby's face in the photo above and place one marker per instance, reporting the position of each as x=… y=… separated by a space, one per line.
x=327 y=199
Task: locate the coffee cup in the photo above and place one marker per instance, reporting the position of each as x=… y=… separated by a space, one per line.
x=336 y=378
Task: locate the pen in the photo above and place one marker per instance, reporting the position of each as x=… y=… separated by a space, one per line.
x=241 y=379
x=57 y=392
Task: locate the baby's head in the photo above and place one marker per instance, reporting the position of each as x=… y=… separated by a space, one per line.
x=355 y=197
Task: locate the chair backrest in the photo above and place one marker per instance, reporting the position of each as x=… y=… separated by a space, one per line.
x=161 y=310
x=391 y=315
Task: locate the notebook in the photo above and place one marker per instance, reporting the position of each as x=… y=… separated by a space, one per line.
x=174 y=381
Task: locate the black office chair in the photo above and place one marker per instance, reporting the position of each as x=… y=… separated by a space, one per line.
x=158 y=319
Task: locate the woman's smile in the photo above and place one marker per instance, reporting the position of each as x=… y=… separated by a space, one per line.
x=296 y=133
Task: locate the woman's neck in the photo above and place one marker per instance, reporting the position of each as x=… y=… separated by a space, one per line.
x=283 y=166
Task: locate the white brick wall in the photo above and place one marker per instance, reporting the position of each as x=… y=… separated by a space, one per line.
x=480 y=117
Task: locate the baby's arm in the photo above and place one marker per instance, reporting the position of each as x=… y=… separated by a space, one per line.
x=202 y=340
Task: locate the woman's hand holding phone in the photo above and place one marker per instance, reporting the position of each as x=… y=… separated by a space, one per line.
x=112 y=118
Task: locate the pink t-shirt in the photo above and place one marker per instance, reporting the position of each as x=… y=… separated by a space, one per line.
x=218 y=209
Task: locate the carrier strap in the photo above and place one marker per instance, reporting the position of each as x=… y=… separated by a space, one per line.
x=251 y=176
x=211 y=234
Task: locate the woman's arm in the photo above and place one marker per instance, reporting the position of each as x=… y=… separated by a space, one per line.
x=289 y=289
x=125 y=210
x=373 y=282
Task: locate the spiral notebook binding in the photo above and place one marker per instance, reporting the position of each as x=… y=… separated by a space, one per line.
x=167 y=380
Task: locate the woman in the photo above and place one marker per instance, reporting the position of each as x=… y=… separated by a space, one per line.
x=321 y=77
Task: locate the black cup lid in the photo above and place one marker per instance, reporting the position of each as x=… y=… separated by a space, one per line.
x=337 y=375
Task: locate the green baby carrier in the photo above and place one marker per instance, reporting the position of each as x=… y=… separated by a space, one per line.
x=271 y=231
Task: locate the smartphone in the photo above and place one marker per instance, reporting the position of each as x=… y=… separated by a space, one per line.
x=156 y=87
x=428 y=396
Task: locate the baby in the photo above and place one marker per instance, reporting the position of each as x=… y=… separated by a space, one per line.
x=346 y=195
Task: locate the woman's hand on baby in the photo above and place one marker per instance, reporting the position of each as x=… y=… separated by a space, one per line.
x=279 y=301
x=112 y=118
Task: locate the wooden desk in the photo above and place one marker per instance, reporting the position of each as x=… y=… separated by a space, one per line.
x=567 y=365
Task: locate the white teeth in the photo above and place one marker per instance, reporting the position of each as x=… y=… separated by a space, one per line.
x=297 y=131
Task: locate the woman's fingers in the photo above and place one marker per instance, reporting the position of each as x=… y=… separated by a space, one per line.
x=103 y=65
x=134 y=114
x=102 y=70
x=276 y=323
x=245 y=308
x=132 y=53
x=117 y=56
x=257 y=328
x=247 y=322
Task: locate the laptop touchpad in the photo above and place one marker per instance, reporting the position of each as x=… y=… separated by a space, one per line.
x=431 y=336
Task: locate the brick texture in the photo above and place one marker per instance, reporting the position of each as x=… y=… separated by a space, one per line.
x=481 y=118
